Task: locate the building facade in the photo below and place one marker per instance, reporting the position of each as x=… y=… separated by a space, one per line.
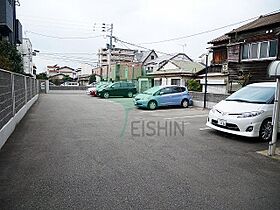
x=10 y=27
x=176 y=72
x=117 y=55
x=242 y=56
x=27 y=53
x=65 y=70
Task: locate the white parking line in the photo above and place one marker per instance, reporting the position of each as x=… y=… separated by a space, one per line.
x=203 y=129
x=187 y=116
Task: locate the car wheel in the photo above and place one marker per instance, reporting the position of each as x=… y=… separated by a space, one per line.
x=106 y=95
x=152 y=105
x=185 y=103
x=265 y=133
x=129 y=94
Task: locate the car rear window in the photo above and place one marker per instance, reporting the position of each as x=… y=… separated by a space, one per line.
x=178 y=89
x=123 y=84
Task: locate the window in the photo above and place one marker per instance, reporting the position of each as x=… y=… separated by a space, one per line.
x=273 y=48
x=152 y=57
x=263 y=49
x=124 y=84
x=157 y=82
x=261 y=95
x=260 y=50
x=177 y=90
x=245 y=53
x=254 y=51
x=116 y=85
x=183 y=89
x=175 y=81
x=167 y=90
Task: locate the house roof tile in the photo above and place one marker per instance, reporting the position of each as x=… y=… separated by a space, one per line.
x=219 y=39
x=260 y=22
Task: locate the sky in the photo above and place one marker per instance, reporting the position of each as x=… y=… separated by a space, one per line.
x=68 y=32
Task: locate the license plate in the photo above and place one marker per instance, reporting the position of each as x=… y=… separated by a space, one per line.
x=222 y=122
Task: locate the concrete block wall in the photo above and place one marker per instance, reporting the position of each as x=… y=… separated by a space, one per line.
x=211 y=98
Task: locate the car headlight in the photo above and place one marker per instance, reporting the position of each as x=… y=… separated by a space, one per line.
x=250 y=114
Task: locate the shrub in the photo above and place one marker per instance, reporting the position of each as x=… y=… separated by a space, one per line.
x=194 y=85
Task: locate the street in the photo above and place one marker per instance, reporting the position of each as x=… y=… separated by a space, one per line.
x=73 y=151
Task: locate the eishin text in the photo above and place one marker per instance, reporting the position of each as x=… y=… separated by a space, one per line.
x=142 y=128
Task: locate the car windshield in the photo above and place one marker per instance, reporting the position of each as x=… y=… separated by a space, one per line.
x=252 y=94
x=152 y=90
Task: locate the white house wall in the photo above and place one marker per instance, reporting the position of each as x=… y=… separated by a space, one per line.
x=149 y=59
x=169 y=66
x=215 y=84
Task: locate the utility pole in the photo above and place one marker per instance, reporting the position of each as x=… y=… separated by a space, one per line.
x=132 y=78
x=275 y=120
x=110 y=47
x=205 y=83
x=105 y=28
x=274 y=71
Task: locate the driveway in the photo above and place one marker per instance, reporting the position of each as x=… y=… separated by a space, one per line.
x=72 y=151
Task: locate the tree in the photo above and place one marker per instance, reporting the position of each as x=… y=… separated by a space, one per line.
x=56 y=81
x=67 y=78
x=10 y=58
x=92 y=79
x=42 y=76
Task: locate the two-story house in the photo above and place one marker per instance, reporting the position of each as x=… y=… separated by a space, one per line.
x=243 y=55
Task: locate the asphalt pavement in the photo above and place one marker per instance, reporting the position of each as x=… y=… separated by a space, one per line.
x=73 y=151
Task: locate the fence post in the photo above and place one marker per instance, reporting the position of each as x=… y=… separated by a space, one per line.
x=25 y=89
x=30 y=82
x=13 y=93
x=37 y=86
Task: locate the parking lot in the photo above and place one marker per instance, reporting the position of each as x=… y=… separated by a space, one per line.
x=82 y=152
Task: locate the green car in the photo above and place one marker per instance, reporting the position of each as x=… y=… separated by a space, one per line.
x=125 y=89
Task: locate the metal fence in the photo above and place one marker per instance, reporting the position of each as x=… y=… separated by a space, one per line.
x=15 y=91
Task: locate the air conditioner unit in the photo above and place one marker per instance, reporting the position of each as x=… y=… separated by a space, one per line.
x=225 y=68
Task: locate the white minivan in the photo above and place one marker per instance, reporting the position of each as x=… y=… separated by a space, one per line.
x=247 y=112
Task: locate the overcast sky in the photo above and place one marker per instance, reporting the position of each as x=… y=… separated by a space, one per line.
x=135 y=21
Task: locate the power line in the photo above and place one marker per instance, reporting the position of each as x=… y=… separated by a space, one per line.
x=139 y=46
x=183 y=37
x=68 y=56
x=56 y=20
x=69 y=53
x=59 y=37
x=80 y=59
x=69 y=61
x=207 y=31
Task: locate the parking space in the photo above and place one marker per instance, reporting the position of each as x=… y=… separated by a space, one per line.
x=193 y=118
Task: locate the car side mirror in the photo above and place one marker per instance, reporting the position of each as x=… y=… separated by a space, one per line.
x=161 y=93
